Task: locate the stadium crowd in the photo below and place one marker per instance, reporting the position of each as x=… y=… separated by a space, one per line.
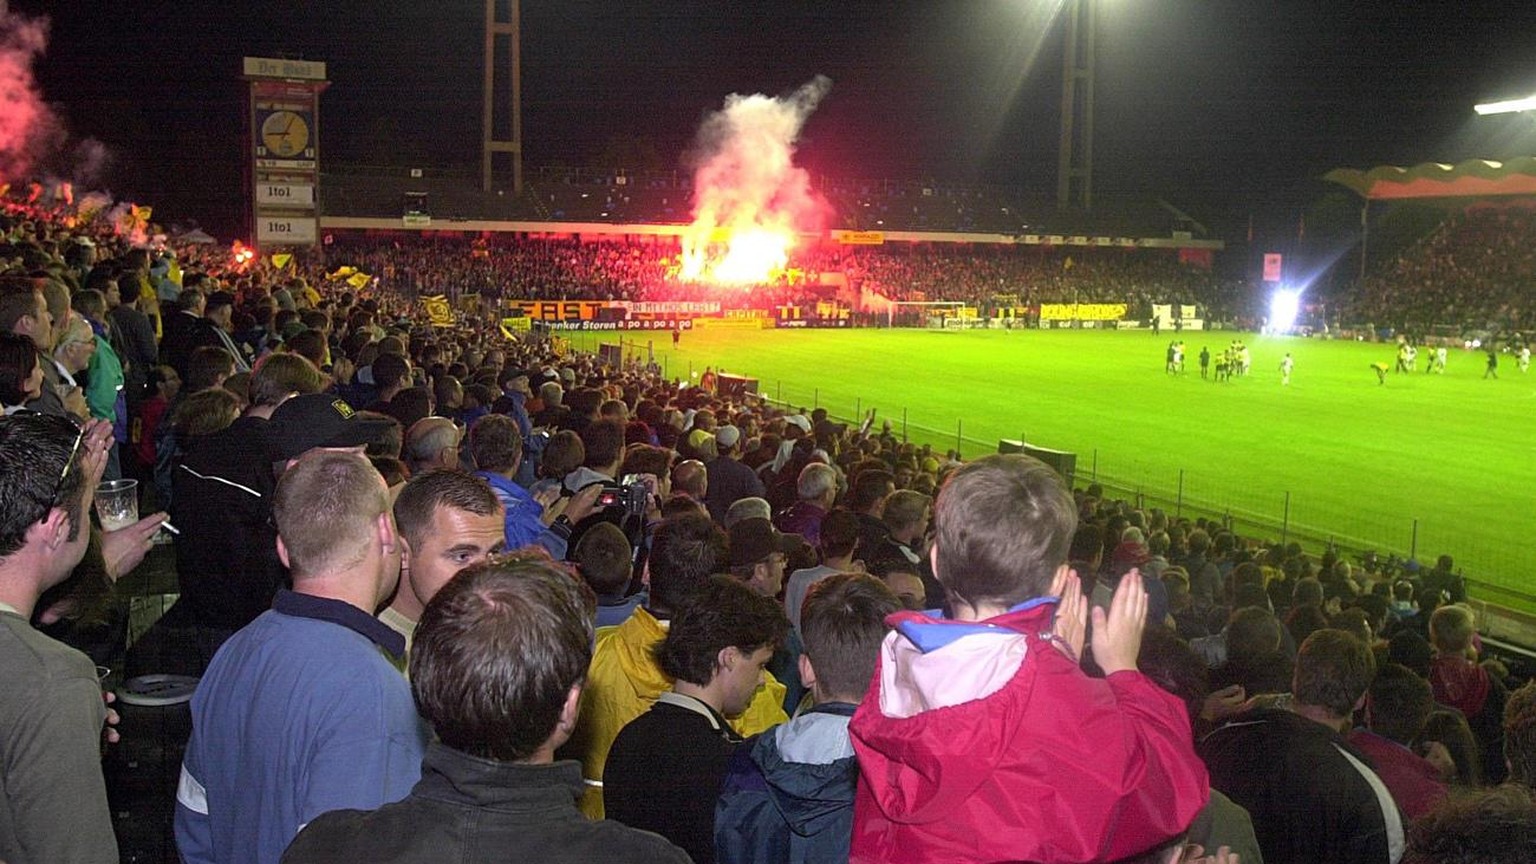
x=457 y=596
x=568 y=269
x=1475 y=271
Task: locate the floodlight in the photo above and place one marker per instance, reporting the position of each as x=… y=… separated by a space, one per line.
x=1508 y=106
x=1283 y=308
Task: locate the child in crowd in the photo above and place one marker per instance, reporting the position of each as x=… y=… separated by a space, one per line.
x=981 y=738
x=789 y=794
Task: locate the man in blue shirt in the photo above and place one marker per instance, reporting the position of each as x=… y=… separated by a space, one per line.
x=497 y=448
x=300 y=712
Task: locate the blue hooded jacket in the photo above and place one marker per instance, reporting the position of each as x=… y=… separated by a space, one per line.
x=788 y=795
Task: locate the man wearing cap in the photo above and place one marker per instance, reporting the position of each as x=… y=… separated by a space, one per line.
x=301 y=712
x=758 y=554
x=226 y=555
x=729 y=480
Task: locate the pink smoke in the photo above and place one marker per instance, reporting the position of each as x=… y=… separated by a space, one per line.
x=33 y=138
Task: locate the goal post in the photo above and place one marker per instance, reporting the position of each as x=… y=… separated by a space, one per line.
x=934 y=314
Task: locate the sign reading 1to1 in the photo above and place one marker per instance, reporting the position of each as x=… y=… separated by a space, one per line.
x=286 y=194
x=283 y=230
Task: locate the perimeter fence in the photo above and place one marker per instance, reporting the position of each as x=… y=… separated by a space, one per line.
x=1494 y=572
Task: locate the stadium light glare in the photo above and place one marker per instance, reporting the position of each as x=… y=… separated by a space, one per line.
x=1508 y=106
x=1284 y=305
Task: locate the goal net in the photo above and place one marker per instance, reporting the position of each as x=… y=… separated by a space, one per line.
x=934 y=314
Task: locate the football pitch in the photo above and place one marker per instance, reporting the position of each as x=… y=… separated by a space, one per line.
x=1423 y=464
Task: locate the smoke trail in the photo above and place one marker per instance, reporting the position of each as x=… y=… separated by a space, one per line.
x=748 y=194
x=33 y=138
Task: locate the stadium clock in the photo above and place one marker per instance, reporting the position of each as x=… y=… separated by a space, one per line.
x=284 y=133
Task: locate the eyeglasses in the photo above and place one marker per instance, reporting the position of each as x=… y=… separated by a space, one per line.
x=58 y=487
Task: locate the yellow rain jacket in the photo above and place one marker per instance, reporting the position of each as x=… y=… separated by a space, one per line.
x=622 y=683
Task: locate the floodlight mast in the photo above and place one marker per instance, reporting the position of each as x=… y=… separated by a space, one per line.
x=1074 y=165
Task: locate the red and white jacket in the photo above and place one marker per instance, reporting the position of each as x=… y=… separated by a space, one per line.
x=981 y=741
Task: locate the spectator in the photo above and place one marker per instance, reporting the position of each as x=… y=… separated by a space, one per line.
x=816 y=489
x=1493 y=826
x=448 y=520
x=431 y=442
x=1520 y=735
x=625 y=679
x=867 y=499
x=501 y=695
x=54 y=805
x=729 y=480
x=839 y=534
x=691 y=478
x=496 y=447
x=1460 y=683
x=312 y=666
x=789 y=794
x=603 y=558
x=1311 y=797
x=1399 y=705
x=665 y=769
x=906 y=514
x=227 y=564
x=929 y=790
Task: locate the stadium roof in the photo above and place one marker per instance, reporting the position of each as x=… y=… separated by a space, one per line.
x=1474 y=178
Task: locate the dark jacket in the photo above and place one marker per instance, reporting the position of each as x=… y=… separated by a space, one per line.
x=1311 y=796
x=467 y=809
x=789 y=794
x=665 y=770
x=138 y=354
x=226 y=555
x=729 y=482
x=185 y=333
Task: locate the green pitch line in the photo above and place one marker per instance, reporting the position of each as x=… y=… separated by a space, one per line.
x=1361 y=460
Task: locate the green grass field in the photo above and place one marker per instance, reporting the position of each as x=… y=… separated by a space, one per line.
x=1443 y=462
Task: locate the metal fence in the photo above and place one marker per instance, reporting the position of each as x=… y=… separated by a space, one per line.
x=1493 y=572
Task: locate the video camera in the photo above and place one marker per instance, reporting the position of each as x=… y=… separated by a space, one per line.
x=631 y=493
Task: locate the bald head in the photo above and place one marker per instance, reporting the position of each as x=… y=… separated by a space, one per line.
x=432 y=442
x=690 y=478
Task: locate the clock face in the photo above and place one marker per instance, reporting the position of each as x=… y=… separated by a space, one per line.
x=285 y=133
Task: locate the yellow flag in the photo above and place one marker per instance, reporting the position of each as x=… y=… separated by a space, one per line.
x=341 y=273
x=359 y=280
x=438 y=310
x=282 y=259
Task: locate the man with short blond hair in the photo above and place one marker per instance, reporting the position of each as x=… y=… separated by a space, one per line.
x=300 y=712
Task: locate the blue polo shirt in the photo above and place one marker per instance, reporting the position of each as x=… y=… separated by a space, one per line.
x=299 y=714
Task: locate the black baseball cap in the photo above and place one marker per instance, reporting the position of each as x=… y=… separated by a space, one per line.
x=319 y=420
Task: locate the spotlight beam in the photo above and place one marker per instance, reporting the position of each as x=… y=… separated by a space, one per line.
x=1508 y=106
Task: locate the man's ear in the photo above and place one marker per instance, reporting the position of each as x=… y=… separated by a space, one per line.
x=933 y=557
x=727 y=659
x=52 y=529
x=388 y=537
x=570 y=711
x=807 y=672
x=282 y=552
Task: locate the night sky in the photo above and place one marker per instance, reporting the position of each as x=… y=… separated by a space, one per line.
x=1218 y=106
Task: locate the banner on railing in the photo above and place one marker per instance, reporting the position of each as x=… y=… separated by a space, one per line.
x=1082 y=311
x=638 y=324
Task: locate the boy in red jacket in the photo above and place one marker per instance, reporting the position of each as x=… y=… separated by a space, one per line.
x=981 y=739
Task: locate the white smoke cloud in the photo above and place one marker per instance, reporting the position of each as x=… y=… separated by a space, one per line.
x=745 y=179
